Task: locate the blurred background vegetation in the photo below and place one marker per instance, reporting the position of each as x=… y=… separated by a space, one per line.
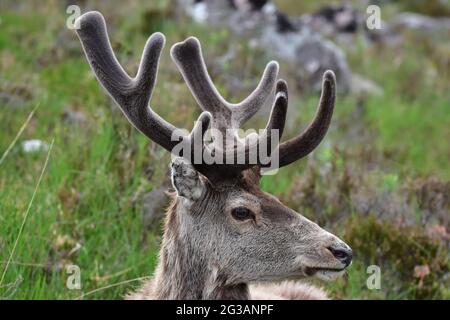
x=380 y=180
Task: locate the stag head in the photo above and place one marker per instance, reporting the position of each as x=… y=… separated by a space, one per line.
x=220 y=219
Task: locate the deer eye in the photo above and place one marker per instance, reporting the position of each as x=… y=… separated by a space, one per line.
x=241 y=213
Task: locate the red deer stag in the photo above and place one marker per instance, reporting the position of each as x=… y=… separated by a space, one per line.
x=224 y=238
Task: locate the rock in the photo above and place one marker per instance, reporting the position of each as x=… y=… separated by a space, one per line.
x=274 y=32
x=32 y=146
x=243 y=17
x=420 y=23
x=74 y=117
x=211 y=11
x=363 y=87
x=284 y=24
x=12 y=100
x=256 y=4
x=385 y=35
x=311 y=55
x=153 y=207
x=15 y=95
x=338 y=18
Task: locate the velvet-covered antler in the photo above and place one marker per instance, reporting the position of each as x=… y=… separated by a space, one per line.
x=133 y=96
x=188 y=57
x=303 y=144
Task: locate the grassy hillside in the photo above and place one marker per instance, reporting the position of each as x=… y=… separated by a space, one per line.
x=381 y=179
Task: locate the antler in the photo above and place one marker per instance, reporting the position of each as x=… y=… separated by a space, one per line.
x=228 y=170
x=228 y=117
x=300 y=146
x=189 y=59
x=131 y=94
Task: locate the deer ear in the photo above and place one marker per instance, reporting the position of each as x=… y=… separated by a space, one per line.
x=186 y=180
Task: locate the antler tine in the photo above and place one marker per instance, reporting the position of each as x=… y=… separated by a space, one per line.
x=246 y=109
x=189 y=59
x=197 y=134
x=131 y=94
x=229 y=171
x=279 y=108
x=277 y=118
x=307 y=141
x=95 y=41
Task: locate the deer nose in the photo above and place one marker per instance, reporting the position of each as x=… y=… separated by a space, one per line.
x=343 y=254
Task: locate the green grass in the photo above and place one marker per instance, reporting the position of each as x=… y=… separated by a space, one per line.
x=78 y=202
x=87 y=210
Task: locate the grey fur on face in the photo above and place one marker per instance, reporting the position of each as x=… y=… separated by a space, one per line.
x=208 y=247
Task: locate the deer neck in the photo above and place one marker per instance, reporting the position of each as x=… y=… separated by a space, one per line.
x=185 y=273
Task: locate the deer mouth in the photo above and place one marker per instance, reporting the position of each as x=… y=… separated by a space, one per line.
x=310 y=271
x=326 y=274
